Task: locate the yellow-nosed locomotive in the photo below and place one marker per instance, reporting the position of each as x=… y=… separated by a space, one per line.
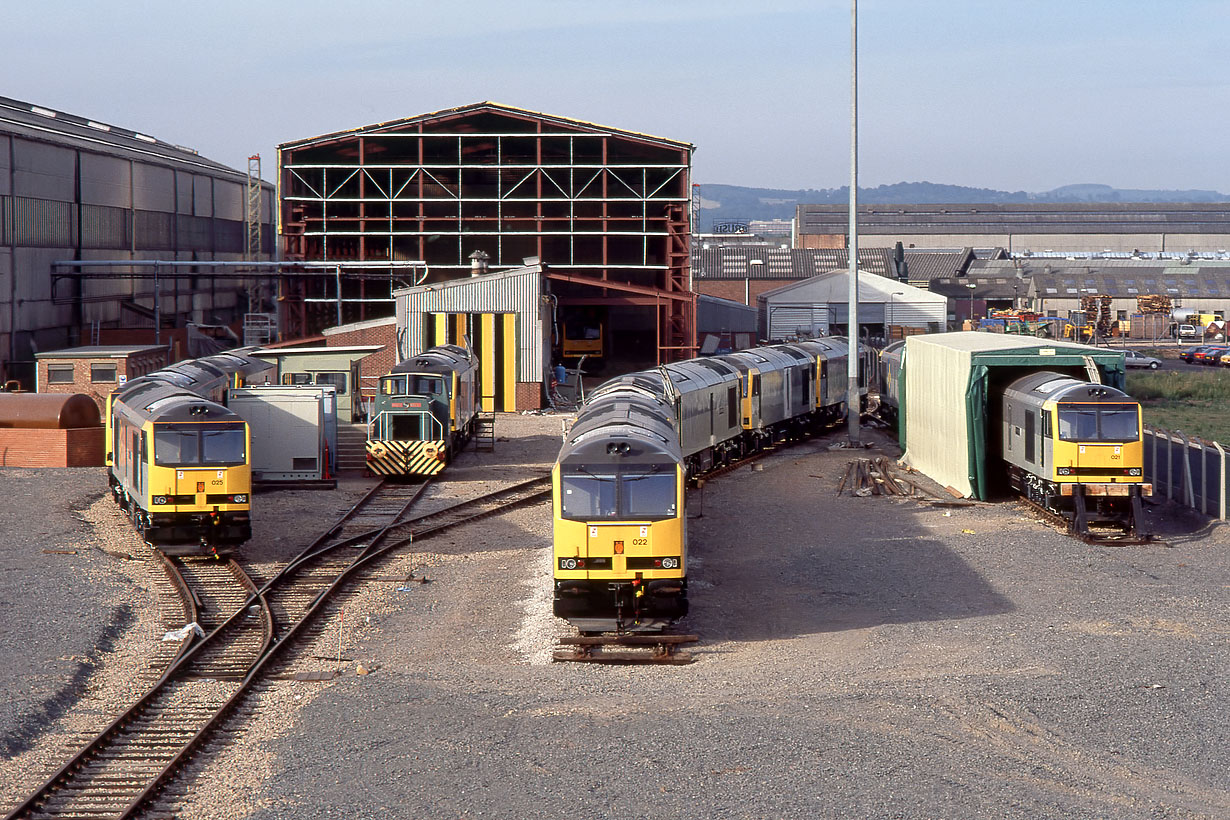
x=424 y=413
x=1071 y=446
x=620 y=530
x=178 y=461
x=1075 y=448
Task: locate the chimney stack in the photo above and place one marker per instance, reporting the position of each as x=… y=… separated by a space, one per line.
x=478 y=263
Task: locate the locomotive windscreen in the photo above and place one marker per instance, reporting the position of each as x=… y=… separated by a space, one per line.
x=636 y=492
x=199 y=445
x=1104 y=422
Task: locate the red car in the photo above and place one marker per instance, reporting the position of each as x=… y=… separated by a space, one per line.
x=1211 y=354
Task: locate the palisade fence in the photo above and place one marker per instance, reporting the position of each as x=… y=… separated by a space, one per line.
x=1188 y=471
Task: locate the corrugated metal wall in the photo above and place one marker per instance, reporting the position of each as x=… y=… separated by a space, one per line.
x=518 y=294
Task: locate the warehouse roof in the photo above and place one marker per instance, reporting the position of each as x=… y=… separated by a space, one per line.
x=1119 y=278
x=741 y=262
x=1021 y=218
x=480 y=107
x=45 y=125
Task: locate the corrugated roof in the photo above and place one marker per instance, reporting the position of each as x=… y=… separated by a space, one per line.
x=45 y=125
x=787 y=263
x=1120 y=278
x=1021 y=218
x=475 y=108
x=923 y=266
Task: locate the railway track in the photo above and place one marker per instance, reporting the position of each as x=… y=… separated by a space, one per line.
x=1100 y=536
x=249 y=635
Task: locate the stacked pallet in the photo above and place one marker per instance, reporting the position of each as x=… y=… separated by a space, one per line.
x=1096 y=307
x=1153 y=303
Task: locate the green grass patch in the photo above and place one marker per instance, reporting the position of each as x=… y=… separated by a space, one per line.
x=1195 y=402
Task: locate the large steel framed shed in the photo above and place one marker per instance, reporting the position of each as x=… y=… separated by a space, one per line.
x=606 y=211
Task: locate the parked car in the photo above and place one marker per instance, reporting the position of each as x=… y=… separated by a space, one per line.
x=1189 y=353
x=1134 y=359
x=1211 y=355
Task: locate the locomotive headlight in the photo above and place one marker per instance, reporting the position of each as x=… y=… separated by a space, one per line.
x=670 y=563
x=239 y=499
x=567 y=563
x=1134 y=471
x=159 y=499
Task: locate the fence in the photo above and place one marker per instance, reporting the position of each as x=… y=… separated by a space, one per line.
x=1192 y=473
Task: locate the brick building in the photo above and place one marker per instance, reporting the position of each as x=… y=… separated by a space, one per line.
x=96 y=370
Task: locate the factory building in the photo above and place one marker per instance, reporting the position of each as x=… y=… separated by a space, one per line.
x=74 y=189
x=1020 y=227
x=489 y=188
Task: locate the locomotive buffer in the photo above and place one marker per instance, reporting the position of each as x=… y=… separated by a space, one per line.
x=625 y=648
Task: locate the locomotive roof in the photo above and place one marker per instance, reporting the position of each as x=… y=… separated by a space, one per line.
x=1050 y=385
x=647 y=430
x=152 y=400
x=439 y=359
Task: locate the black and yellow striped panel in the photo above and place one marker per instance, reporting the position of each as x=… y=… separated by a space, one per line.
x=405 y=457
x=494 y=340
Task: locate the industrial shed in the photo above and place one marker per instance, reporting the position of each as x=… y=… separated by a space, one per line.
x=819 y=306
x=950 y=381
x=605 y=209
x=507 y=319
x=78 y=190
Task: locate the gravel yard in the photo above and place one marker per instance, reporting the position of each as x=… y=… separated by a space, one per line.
x=859 y=657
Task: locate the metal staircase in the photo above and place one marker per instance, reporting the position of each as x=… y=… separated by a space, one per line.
x=484 y=428
x=351 y=447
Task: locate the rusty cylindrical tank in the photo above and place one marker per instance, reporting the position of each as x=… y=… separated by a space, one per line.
x=48 y=410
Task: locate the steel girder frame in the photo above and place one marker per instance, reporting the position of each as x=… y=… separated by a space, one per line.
x=609 y=206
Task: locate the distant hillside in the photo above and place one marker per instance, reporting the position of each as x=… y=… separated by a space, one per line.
x=736 y=203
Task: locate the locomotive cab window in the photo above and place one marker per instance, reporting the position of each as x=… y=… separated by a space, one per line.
x=637 y=492
x=199 y=445
x=1106 y=422
x=394 y=386
x=427 y=386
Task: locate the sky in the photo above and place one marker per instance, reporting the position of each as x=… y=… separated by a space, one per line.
x=1007 y=94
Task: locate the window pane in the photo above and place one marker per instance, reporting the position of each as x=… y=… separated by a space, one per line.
x=222 y=446
x=584 y=497
x=338 y=380
x=60 y=375
x=1119 y=425
x=428 y=386
x=648 y=496
x=1078 y=425
x=102 y=373
x=174 y=448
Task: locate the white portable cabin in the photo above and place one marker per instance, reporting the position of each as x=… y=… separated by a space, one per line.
x=294 y=431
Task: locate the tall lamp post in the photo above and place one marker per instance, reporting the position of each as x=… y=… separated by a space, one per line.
x=853 y=402
x=971 y=287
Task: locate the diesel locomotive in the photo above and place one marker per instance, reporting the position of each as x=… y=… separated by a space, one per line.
x=178 y=459
x=1071 y=446
x=620 y=529
x=425 y=411
x=1075 y=448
